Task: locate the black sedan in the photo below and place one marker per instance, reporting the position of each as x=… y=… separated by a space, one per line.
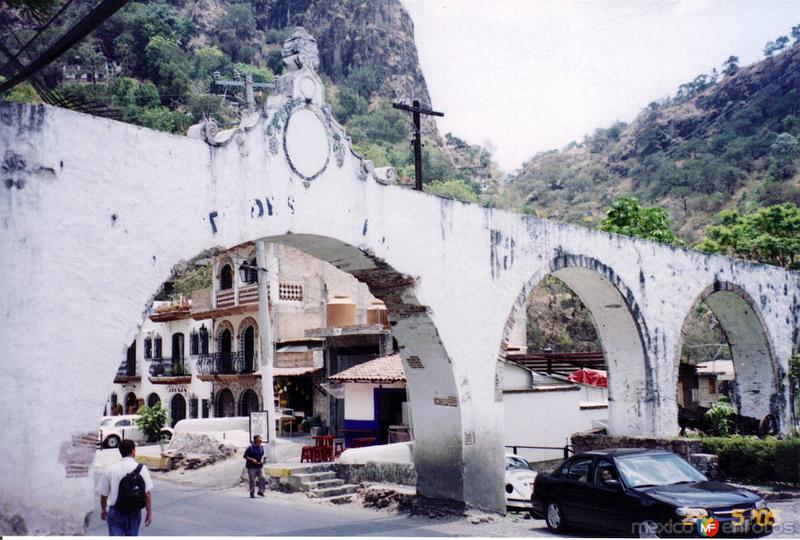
x=646 y=493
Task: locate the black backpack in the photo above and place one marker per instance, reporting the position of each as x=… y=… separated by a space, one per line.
x=130 y=496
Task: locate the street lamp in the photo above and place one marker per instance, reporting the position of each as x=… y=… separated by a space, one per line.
x=249 y=273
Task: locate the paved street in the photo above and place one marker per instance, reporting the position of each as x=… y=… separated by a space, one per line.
x=182 y=510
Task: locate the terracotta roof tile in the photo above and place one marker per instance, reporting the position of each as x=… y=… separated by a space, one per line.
x=383 y=369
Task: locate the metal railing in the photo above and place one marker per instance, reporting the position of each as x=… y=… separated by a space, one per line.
x=559 y=363
x=231 y=363
x=566 y=449
x=169 y=367
x=127 y=369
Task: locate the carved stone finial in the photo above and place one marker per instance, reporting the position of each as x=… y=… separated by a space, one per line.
x=300 y=51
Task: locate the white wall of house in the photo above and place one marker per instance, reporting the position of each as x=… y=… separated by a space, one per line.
x=359 y=399
x=547 y=416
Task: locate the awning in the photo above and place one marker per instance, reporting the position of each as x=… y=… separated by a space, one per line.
x=592 y=377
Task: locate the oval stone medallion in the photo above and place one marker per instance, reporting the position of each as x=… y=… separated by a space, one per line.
x=306 y=144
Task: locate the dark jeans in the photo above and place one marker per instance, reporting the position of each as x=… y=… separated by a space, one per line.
x=122 y=523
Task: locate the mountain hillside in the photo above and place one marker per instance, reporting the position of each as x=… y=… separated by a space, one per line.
x=157 y=63
x=721 y=142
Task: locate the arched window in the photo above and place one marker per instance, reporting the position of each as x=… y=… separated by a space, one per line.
x=226 y=278
x=177 y=346
x=152 y=399
x=148 y=347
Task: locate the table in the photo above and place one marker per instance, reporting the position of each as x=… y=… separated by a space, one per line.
x=360 y=442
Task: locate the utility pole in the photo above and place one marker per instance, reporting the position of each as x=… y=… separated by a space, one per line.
x=267 y=349
x=248 y=85
x=416 y=111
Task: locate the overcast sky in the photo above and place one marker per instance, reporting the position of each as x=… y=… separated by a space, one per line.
x=532 y=75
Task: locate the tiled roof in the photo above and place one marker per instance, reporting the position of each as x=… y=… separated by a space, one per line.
x=383 y=369
x=294 y=371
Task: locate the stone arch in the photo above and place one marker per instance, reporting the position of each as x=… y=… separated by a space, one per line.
x=247 y=321
x=225 y=275
x=177 y=409
x=623 y=335
x=153 y=399
x=225 y=403
x=433 y=395
x=249 y=400
x=757 y=371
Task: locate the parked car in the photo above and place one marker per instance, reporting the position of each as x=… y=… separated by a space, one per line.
x=519 y=481
x=644 y=493
x=115 y=428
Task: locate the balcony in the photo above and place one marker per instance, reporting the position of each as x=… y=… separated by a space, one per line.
x=224 y=303
x=126 y=373
x=173 y=311
x=216 y=366
x=170 y=371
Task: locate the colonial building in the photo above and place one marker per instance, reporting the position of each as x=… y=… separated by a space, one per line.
x=324 y=321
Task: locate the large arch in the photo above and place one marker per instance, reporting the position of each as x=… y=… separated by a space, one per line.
x=756 y=369
x=621 y=329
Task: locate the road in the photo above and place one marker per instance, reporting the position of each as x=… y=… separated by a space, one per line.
x=181 y=510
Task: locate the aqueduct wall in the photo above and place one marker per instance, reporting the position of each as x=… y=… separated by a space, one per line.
x=96 y=214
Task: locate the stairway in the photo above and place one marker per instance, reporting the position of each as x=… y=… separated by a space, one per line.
x=318 y=481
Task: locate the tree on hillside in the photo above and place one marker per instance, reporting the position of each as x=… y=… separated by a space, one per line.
x=454 y=189
x=781 y=43
x=731 y=65
x=627 y=217
x=769 y=49
x=769 y=235
x=796 y=33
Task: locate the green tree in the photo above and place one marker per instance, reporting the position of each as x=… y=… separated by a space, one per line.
x=168 y=68
x=454 y=189
x=731 y=66
x=769 y=235
x=796 y=33
x=627 y=217
x=207 y=60
x=152 y=420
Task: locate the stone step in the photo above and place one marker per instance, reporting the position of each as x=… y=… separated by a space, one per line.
x=345 y=489
x=323 y=484
x=305 y=468
x=336 y=499
x=307 y=478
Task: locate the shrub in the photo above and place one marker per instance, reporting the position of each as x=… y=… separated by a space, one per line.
x=151 y=420
x=721 y=415
x=750 y=458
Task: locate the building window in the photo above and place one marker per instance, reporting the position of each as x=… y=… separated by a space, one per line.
x=192 y=407
x=204 y=408
x=194 y=343
x=203 y=340
x=226 y=278
x=148 y=347
x=157 y=346
x=177 y=346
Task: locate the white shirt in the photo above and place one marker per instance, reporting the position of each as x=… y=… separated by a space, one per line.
x=109 y=483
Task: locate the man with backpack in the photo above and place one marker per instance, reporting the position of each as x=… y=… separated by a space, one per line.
x=124 y=491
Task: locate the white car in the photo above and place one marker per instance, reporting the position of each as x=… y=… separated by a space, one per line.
x=519 y=482
x=115 y=428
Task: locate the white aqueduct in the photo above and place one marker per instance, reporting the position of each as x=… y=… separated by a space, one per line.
x=97 y=214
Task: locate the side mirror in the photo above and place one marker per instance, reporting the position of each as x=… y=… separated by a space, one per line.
x=612 y=484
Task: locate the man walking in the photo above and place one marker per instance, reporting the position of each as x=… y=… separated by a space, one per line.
x=254 y=457
x=124 y=491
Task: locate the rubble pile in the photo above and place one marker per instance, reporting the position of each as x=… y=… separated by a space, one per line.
x=386 y=497
x=194 y=450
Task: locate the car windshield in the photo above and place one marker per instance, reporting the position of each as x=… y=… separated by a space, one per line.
x=513 y=462
x=656 y=470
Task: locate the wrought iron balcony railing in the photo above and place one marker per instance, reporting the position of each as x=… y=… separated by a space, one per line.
x=225 y=363
x=126 y=369
x=169 y=367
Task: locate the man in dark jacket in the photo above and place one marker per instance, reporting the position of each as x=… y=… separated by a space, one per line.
x=254 y=457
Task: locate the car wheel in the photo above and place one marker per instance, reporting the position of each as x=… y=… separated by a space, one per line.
x=647 y=529
x=554 y=517
x=112 y=441
x=166 y=436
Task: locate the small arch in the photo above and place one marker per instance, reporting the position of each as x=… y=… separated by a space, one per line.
x=131 y=403
x=153 y=399
x=226 y=275
x=225 y=404
x=248 y=401
x=248 y=334
x=756 y=370
x=177 y=409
